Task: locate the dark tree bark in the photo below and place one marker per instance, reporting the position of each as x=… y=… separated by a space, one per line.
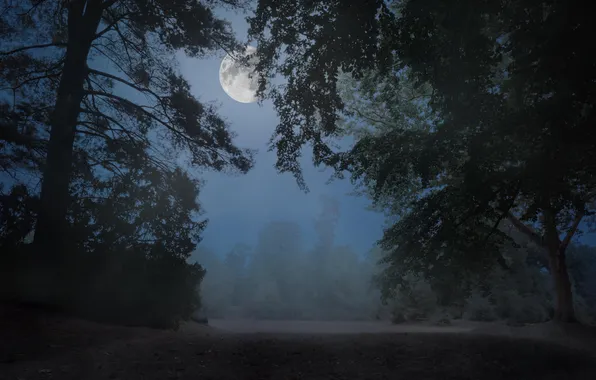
x=83 y=21
x=564 y=311
x=552 y=255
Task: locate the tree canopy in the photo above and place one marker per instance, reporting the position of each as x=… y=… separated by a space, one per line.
x=509 y=87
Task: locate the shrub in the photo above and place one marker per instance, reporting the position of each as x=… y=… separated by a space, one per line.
x=585 y=312
x=414 y=300
x=479 y=308
x=397 y=317
x=137 y=289
x=156 y=290
x=442 y=321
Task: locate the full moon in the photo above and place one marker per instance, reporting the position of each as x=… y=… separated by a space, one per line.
x=235 y=78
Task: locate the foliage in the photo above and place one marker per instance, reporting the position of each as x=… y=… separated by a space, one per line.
x=308 y=43
x=511 y=94
x=520 y=294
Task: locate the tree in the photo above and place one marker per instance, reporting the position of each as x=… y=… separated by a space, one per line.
x=129 y=238
x=325 y=227
x=277 y=262
x=51 y=60
x=510 y=136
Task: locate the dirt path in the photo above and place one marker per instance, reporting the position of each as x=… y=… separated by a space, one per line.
x=198 y=352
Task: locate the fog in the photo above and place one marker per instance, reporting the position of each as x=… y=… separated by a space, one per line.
x=283 y=277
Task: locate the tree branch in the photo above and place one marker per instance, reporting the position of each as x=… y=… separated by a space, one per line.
x=33 y=7
x=124 y=81
x=111 y=25
x=142 y=109
x=33 y=79
x=119 y=66
x=114 y=121
x=41 y=46
x=92 y=132
x=528 y=231
x=571 y=232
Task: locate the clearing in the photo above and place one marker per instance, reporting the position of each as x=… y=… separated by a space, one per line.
x=36 y=346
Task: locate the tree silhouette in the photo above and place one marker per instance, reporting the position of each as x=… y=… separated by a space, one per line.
x=510 y=138
x=102 y=70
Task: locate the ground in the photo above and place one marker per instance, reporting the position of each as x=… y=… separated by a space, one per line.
x=52 y=347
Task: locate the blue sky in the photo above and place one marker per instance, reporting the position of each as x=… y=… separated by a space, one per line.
x=239 y=206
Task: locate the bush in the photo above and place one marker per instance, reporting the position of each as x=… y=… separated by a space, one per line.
x=156 y=290
x=441 y=318
x=414 y=300
x=512 y=306
x=135 y=289
x=397 y=317
x=443 y=321
x=585 y=313
x=479 y=308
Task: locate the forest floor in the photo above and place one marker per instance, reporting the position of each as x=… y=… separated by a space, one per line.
x=44 y=346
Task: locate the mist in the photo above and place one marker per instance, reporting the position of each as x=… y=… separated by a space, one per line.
x=282 y=276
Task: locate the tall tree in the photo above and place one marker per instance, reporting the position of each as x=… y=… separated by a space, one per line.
x=325 y=228
x=511 y=136
x=131 y=233
x=52 y=59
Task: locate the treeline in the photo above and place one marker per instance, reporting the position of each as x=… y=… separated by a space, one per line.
x=281 y=278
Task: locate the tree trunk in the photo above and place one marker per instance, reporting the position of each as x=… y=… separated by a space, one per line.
x=49 y=240
x=558 y=268
x=564 y=311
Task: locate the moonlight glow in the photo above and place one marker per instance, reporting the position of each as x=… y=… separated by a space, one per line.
x=235 y=80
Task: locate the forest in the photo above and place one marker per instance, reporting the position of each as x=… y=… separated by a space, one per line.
x=282 y=278
x=472 y=128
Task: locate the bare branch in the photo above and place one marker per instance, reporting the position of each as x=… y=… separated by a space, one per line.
x=95 y=46
x=30 y=10
x=91 y=132
x=29 y=80
x=124 y=81
x=115 y=122
x=24 y=48
x=112 y=25
x=140 y=108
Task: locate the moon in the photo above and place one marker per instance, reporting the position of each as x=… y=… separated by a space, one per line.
x=236 y=79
